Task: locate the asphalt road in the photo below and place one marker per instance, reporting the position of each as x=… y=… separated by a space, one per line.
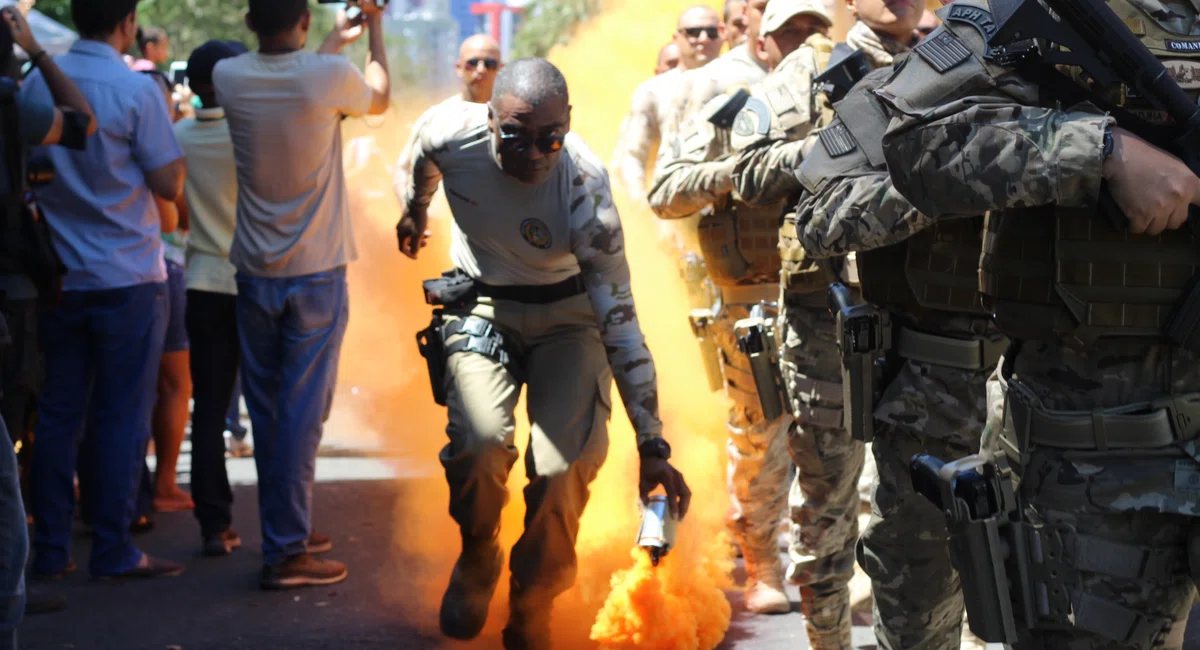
x=217 y=605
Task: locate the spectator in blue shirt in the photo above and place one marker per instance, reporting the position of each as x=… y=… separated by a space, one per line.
x=104 y=339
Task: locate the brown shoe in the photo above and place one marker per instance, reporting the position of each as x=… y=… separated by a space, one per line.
x=148 y=567
x=302 y=570
x=318 y=543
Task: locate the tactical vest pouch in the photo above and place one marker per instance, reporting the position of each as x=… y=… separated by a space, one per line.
x=740 y=244
x=801 y=274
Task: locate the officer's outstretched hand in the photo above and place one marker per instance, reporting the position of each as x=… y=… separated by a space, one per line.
x=656 y=472
x=411 y=233
x=1152 y=187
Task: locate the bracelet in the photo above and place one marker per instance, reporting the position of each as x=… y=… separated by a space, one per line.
x=34 y=59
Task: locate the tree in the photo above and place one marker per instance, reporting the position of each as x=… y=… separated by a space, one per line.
x=547 y=23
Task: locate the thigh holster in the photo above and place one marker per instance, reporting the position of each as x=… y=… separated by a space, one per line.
x=444 y=338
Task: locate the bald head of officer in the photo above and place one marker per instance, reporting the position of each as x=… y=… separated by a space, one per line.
x=477 y=66
x=699 y=34
x=668 y=58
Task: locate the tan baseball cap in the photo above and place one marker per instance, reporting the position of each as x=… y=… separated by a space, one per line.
x=779 y=12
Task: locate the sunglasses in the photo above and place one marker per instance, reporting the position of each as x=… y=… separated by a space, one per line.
x=520 y=143
x=489 y=63
x=695 y=32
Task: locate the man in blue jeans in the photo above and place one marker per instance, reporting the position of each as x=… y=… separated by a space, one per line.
x=104 y=338
x=293 y=241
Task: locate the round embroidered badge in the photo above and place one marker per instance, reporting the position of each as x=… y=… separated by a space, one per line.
x=536 y=233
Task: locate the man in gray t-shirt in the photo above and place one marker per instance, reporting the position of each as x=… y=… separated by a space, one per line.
x=293 y=240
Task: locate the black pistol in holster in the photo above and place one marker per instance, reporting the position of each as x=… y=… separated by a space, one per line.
x=454 y=289
x=433 y=347
x=864 y=334
x=988 y=540
x=756 y=339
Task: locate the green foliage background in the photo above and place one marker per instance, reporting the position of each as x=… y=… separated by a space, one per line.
x=547 y=23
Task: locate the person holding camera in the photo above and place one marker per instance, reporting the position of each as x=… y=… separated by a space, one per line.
x=104 y=338
x=293 y=241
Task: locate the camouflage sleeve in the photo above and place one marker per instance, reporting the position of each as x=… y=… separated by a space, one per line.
x=856 y=213
x=638 y=131
x=599 y=245
x=417 y=176
x=695 y=172
x=972 y=138
x=402 y=172
x=765 y=175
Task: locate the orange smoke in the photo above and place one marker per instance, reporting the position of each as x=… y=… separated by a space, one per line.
x=614 y=601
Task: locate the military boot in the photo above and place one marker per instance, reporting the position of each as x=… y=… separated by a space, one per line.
x=826 y=610
x=528 y=625
x=764 y=579
x=472 y=583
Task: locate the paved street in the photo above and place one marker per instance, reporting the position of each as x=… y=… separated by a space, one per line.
x=217 y=605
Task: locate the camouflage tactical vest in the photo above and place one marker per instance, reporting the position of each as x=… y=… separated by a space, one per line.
x=940 y=270
x=1064 y=274
x=741 y=243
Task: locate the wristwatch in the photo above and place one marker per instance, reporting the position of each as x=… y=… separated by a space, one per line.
x=655 y=448
x=1108 y=144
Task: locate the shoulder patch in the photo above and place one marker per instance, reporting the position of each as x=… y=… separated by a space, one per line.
x=754 y=118
x=980 y=19
x=942 y=50
x=837 y=140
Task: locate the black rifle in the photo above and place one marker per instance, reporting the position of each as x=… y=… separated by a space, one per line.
x=1096 y=40
x=847 y=66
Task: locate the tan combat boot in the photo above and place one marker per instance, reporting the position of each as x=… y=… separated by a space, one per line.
x=764 y=582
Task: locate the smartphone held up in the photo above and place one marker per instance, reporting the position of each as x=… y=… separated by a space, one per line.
x=353 y=12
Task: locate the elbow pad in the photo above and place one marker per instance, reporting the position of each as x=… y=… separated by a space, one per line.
x=74 y=130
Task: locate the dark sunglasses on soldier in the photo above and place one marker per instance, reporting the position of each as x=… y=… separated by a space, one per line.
x=519 y=143
x=489 y=63
x=695 y=32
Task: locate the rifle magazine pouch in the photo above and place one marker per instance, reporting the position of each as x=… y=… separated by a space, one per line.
x=432 y=347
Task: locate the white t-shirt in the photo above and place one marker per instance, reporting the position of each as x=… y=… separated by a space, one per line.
x=284 y=113
x=211 y=193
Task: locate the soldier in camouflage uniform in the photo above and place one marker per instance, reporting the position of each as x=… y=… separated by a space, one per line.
x=642 y=130
x=741 y=256
x=1099 y=418
x=550 y=308
x=945 y=346
x=825 y=499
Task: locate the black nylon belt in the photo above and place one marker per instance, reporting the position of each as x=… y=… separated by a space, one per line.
x=534 y=294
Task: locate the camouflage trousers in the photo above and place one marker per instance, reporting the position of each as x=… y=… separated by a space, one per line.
x=823 y=501
x=1133 y=520
x=758 y=465
x=918 y=601
x=933 y=410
